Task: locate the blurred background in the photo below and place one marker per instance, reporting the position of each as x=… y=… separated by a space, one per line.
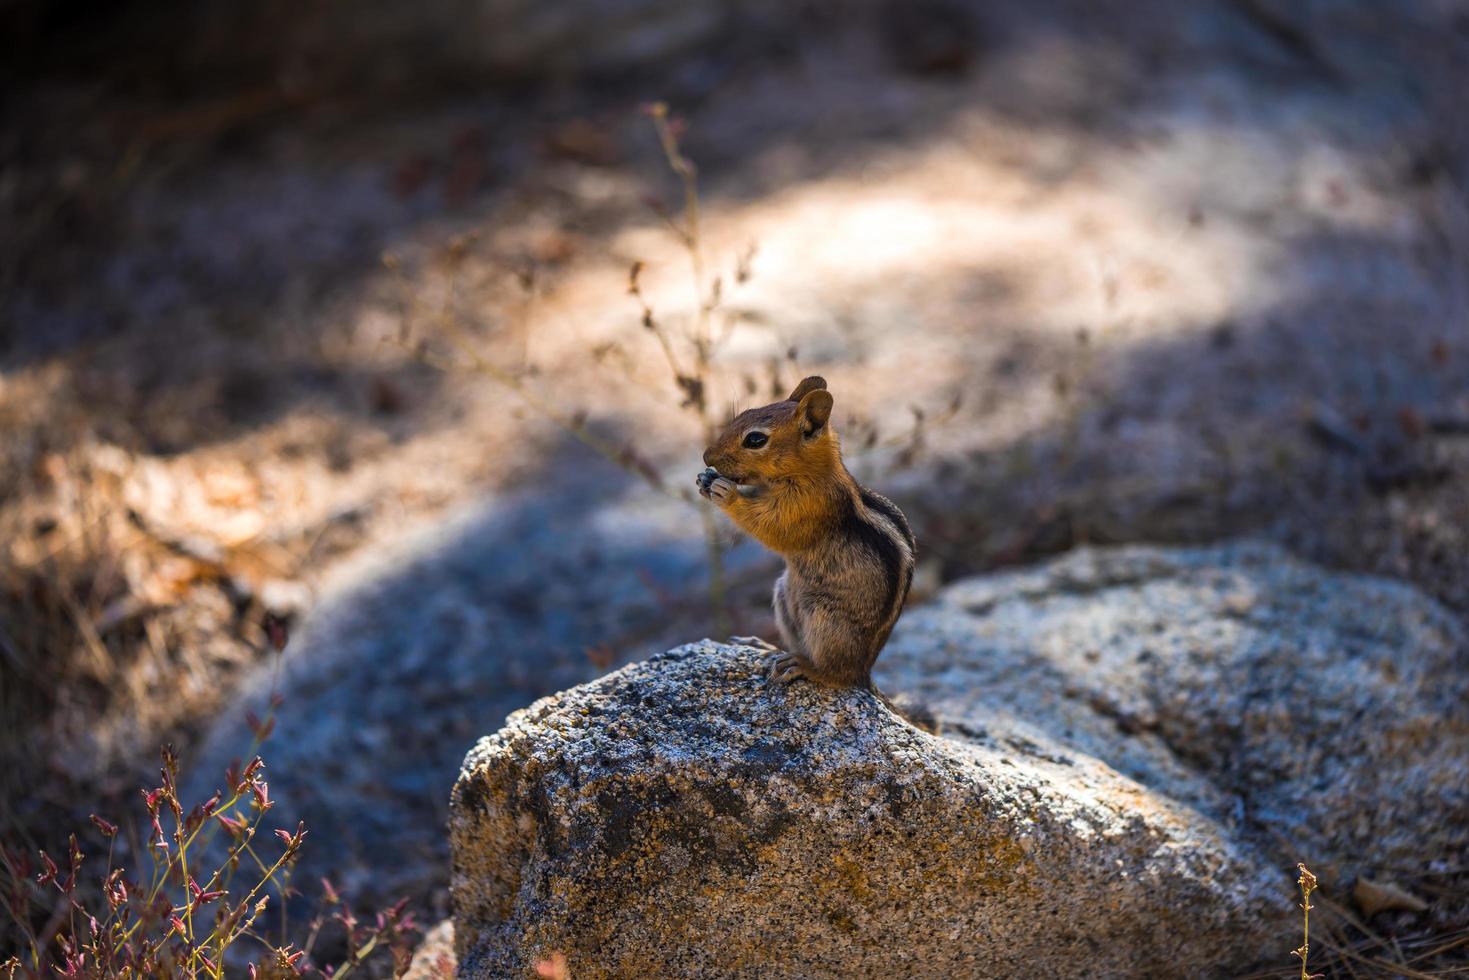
x=399 y=328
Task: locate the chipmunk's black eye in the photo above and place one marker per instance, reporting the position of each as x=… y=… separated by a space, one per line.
x=755 y=440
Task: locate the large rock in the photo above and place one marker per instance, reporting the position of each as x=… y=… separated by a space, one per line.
x=1139 y=745
x=682 y=817
x=1323 y=716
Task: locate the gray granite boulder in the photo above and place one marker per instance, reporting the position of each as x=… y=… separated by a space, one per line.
x=1323 y=716
x=1138 y=745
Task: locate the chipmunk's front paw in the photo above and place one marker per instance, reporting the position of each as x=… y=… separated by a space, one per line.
x=722 y=490
x=786 y=667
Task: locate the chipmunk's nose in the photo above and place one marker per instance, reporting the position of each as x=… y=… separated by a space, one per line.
x=707 y=460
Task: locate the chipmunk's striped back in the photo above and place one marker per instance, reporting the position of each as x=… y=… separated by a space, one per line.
x=885 y=531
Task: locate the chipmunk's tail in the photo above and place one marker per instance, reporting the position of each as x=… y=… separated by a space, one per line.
x=915 y=712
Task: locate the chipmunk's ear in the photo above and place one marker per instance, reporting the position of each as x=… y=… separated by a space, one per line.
x=814 y=410
x=807 y=386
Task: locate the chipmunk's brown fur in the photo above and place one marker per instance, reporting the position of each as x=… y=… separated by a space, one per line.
x=849 y=552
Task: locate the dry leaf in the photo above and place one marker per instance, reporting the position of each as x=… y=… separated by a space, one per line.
x=1381 y=896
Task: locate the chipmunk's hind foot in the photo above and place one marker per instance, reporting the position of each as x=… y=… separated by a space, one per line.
x=786 y=667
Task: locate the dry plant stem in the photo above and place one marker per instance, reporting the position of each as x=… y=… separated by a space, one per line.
x=703 y=342
x=1307 y=881
x=1384 y=967
x=651 y=324
x=1440 y=950
x=687 y=173
x=32 y=941
x=1345 y=915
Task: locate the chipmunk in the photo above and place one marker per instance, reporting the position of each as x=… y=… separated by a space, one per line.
x=777 y=471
